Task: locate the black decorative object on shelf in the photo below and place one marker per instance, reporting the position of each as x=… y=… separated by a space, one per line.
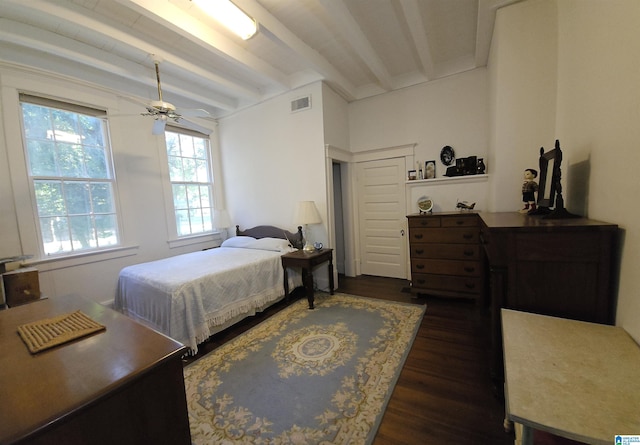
x=481 y=168
x=464 y=167
x=447 y=155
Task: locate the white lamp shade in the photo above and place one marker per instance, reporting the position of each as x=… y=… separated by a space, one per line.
x=221 y=219
x=307 y=213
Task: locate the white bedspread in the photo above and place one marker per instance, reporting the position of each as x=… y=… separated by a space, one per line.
x=189 y=297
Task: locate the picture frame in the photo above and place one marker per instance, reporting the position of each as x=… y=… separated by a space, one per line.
x=430 y=170
x=412 y=175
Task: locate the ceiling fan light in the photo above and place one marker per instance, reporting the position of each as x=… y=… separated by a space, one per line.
x=159 y=126
x=162 y=105
x=230 y=16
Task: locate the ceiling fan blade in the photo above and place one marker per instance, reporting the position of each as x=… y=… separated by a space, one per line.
x=158 y=126
x=193 y=112
x=193 y=126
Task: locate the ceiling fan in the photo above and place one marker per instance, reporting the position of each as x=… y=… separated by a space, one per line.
x=164 y=111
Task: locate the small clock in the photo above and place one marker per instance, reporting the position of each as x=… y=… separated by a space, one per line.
x=425 y=204
x=447 y=155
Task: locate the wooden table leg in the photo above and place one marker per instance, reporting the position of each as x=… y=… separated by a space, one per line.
x=307 y=280
x=286 y=284
x=331 y=275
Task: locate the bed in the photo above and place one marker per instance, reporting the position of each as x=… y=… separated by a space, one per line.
x=192 y=296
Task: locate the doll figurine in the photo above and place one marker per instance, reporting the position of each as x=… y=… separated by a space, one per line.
x=529 y=189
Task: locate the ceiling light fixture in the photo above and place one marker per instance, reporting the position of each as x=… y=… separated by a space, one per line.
x=230 y=16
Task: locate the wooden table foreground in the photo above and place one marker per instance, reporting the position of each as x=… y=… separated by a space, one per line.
x=123 y=385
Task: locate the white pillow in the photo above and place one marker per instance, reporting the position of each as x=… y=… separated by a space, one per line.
x=238 y=241
x=274 y=244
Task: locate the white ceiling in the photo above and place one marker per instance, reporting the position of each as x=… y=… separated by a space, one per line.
x=358 y=47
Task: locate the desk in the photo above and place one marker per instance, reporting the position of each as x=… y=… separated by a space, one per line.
x=307 y=261
x=120 y=386
x=571 y=378
x=558 y=267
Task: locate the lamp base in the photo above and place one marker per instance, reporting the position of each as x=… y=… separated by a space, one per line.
x=308 y=247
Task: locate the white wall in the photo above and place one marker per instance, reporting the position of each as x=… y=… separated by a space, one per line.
x=335 y=119
x=568 y=70
x=140 y=183
x=272 y=159
x=446 y=193
x=598 y=123
x=452 y=111
x=523 y=71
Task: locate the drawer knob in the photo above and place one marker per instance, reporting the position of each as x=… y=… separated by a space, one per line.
x=460 y=222
x=422 y=281
x=419 y=251
x=470 y=285
x=469 y=269
x=467 y=235
x=420 y=266
x=418 y=236
x=468 y=253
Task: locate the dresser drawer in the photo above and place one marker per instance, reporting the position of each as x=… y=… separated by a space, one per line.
x=448 y=283
x=445 y=251
x=459 y=221
x=444 y=235
x=446 y=267
x=424 y=221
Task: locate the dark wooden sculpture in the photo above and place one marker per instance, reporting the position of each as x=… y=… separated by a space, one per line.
x=550 y=186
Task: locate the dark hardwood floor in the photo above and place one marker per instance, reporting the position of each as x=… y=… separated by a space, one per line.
x=444 y=394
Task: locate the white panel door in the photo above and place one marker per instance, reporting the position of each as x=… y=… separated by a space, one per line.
x=382 y=217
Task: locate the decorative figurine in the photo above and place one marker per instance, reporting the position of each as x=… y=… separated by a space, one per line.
x=464 y=205
x=529 y=189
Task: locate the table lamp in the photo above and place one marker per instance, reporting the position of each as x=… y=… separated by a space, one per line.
x=307 y=213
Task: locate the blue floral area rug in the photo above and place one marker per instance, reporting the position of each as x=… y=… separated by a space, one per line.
x=303 y=376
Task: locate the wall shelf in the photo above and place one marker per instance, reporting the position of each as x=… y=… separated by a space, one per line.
x=447 y=179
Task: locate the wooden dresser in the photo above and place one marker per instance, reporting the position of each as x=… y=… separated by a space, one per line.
x=445 y=254
x=120 y=386
x=557 y=267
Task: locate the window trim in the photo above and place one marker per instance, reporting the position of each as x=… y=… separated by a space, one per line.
x=15 y=81
x=173 y=239
x=60 y=104
x=74 y=107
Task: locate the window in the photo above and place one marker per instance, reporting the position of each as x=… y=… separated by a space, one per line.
x=191 y=179
x=71 y=173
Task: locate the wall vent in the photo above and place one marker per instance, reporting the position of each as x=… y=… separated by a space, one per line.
x=300 y=104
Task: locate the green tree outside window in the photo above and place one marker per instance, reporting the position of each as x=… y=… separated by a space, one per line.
x=69 y=162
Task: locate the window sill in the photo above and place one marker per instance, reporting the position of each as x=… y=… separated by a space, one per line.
x=195 y=239
x=54 y=263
